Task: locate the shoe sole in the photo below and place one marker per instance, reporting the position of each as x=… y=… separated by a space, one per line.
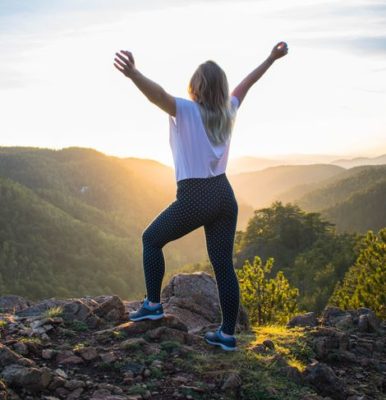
x=152 y=317
x=223 y=346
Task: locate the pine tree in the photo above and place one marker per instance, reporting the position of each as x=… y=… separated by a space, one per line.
x=267 y=300
x=364 y=284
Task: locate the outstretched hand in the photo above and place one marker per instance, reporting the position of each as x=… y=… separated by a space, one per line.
x=124 y=62
x=279 y=50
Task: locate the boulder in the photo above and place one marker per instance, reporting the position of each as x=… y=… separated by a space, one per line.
x=30 y=378
x=111 y=309
x=323 y=378
x=334 y=316
x=193 y=298
x=367 y=320
x=308 y=319
x=40 y=307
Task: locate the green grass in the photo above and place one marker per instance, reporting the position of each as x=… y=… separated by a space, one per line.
x=35 y=339
x=53 y=312
x=261 y=374
x=170 y=345
x=76 y=325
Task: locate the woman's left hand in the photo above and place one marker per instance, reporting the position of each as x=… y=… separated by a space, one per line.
x=124 y=62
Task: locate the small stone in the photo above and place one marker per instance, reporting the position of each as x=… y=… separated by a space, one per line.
x=269 y=344
x=21 y=348
x=146 y=395
x=72 y=360
x=108 y=357
x=61 y=373
x=146 y=373
x=75 y=394
x=48 y=354
x=74 y=384
x=88 y=353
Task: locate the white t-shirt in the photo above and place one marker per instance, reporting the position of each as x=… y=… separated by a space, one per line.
x=193 y=154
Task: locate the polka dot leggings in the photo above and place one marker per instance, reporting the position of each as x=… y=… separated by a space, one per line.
x=199 y=201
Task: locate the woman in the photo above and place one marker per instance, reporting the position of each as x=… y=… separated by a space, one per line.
x=200 y=135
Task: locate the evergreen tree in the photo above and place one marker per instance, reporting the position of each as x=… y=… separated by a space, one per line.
x=364 y=284
x=267 y=300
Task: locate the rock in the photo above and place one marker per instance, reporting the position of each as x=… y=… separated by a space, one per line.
x=363 y=325
x=193 y=298
x=75 y=394
x=12 y=303
x=87 y=353
x=108 y=357
x=48 y=354
x=72 y=309
x=33 y=379
x=39 y=308
x=368 y=322
x=21 y=348
x=329 y=340
x=323 y=378
x=163 y=333
x=308 y=319
x=332 y=316
x=345 y=322
x=260 y=349
x=72 y=360
x=112 y=309
x=74 y=384
x=269 y=344
x=7 y=357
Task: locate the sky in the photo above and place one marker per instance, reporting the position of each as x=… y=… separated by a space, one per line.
x=59 y=87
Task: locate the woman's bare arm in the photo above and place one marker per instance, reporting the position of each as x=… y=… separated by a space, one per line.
x=241 y=90
x=124 y=62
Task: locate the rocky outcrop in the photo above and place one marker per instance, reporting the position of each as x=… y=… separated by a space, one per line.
x=350 y=353
x=87 y=348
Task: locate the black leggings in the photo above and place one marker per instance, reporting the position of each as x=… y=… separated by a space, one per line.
x=199 y=201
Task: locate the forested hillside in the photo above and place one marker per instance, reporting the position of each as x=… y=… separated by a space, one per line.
x=75 y=210
x=355 y=202
x=261 y=188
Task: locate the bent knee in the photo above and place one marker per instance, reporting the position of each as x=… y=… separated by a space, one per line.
x=147 y=236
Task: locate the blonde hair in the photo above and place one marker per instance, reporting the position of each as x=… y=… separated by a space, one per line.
x=208 y=87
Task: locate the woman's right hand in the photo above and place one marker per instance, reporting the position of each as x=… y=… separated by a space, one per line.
x=279 y=50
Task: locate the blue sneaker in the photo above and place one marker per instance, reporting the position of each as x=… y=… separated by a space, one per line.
x=146 y=311
x=216 y=338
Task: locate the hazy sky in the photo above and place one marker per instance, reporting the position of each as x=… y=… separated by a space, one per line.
x=59 y=88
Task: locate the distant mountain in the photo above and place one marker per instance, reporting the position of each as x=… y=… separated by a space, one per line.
x=358 y=161
x=261 y=188
x=249 y=164
x=354 y=200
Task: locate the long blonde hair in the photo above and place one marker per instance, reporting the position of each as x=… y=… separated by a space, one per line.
x=208 y=87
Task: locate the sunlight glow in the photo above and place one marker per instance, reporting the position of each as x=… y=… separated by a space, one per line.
x=58 y=86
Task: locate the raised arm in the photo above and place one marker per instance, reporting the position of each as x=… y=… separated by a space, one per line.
x=279 y=50
x=124 y=62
